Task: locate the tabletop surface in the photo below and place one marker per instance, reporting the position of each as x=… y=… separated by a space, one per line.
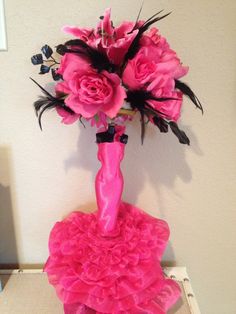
x=31 y=294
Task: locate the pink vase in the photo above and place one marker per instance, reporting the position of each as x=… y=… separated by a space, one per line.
x=108 y=262
x=109 y=184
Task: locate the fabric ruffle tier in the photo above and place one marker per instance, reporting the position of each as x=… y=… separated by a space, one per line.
x=116 y=274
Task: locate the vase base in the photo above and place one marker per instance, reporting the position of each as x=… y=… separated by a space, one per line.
x=120 y=274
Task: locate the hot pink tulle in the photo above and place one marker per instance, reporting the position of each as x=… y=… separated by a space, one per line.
x=116 y=274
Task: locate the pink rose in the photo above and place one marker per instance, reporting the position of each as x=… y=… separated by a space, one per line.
x=140 y=70
x=151 y=61
x=163 y=86
x=89 y=92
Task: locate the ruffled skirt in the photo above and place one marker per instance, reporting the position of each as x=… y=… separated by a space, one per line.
x=119 y=273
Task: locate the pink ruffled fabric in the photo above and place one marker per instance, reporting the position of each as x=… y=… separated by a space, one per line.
x=119 y=274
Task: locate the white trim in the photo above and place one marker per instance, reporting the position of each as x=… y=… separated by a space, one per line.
x=20 y=271
x=180 y=274
x=3 y=36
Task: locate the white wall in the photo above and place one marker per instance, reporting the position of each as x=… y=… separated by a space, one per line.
x=45 y=175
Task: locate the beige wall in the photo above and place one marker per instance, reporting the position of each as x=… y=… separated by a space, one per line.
x=44 y=176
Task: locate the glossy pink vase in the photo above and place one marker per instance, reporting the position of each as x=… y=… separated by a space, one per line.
x=109 y=185
x=108 y=262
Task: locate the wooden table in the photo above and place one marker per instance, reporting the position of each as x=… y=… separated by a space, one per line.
x=28 y=292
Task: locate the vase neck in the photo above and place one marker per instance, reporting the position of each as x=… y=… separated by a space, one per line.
x=111 y=154
x=109 y=185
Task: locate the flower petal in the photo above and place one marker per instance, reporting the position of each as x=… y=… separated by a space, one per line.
x=71 y=63
x=86 y=110
x=67 y=118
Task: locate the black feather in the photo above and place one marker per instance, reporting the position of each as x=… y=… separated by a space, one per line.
x=134 y=47
x=140 y=10
x=61 y=49
x=47 y=105
x=142 y=125
x=98 y=60
x=161 y=124
x=138 y=100
x=139 y=96
x=77 y=42
x=43 y=89
x=153 y=20
x=186 y=90
x=154 y=15
x=40 y=103
x=47 y=102
x=183 y=139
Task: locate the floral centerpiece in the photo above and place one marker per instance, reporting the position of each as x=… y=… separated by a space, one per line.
x=109 y=261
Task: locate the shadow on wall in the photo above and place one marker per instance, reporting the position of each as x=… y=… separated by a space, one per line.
x=161 y=160
x=8 y=245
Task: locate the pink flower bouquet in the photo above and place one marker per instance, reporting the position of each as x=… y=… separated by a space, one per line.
x=109 y=73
